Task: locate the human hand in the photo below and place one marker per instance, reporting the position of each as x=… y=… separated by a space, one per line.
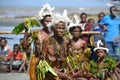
x=105 y=28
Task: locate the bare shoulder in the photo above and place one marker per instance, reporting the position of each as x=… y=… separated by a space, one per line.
x=47 y=39
x=82 y=41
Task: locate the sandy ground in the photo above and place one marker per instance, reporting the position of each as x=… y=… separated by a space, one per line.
x=14 y=76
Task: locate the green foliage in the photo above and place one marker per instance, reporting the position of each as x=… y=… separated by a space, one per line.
x=98 y=72
x=94 y=69
x=19 y=28
x=110 y=62
x=28 y=23
x=43 y=68
x=67 y=35
x=34 y=23
x=72 y=62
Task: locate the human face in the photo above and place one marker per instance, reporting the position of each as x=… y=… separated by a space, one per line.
x=46 y=21
x=101 y=53
x=83 y=18
x=101 y=16
x=3 y=42
x=21 y=41
x=16 y=49
x=60 y=29
x=112 y=10
x=92 y=23
x=76 y=32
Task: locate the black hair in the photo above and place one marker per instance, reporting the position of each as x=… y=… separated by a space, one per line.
x=101 y=13
x=21 y=38
x=83 y=14
x=42 y=20
x=100 y=16
x=72 y=28
x=3 y=39
x=89 y=20
x=17 y=46
x=111 y=8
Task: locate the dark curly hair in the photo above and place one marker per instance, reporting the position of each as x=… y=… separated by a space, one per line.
x=72 y=28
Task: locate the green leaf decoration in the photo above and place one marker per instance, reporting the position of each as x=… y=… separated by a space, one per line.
x=72 y=62
x=34 y=23
x=19 y=28
x=28 y=23
x=42 y=68
x=110 y=62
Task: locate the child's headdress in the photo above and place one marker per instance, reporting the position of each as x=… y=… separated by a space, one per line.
x=99 y=43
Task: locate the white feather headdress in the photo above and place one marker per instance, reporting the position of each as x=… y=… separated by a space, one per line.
x=46 y=10
x=74 y=22
x=56 y=18
x=99 y=47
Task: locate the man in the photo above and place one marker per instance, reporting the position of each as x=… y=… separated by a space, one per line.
x=111 y=24
x=55 y=49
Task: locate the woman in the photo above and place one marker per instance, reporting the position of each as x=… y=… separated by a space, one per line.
x=78 y=53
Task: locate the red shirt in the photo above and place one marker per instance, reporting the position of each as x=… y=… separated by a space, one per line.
x=86 y=37
x=17 y=57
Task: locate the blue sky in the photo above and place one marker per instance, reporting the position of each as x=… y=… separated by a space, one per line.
x=56 y=3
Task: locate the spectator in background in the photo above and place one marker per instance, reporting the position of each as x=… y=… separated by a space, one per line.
x=83 y=21
x=88 y=27
x=14 y=57
x=4 y=49
x=88 y=38
x=26 y=59
x=97 y=28
x=111 y=24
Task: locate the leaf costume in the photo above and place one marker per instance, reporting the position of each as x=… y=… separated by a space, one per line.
x=59 y=63
x=79 y=60
x=101 y=70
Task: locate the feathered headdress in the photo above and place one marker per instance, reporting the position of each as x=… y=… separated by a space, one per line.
x=56 y=18
x=74 y=22
x=99 y=47
x=46 y=10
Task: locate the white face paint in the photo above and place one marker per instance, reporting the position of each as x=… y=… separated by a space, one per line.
x=116 y=13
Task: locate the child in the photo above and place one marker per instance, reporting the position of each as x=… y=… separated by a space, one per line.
x=15 y=57
x=105 y=63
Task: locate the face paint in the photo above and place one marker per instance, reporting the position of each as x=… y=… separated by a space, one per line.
x=116 y=13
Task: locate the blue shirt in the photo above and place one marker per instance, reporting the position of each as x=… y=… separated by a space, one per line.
x=3 y=52
x=113 y=26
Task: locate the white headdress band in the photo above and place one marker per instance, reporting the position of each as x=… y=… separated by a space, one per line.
x=98 y=46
